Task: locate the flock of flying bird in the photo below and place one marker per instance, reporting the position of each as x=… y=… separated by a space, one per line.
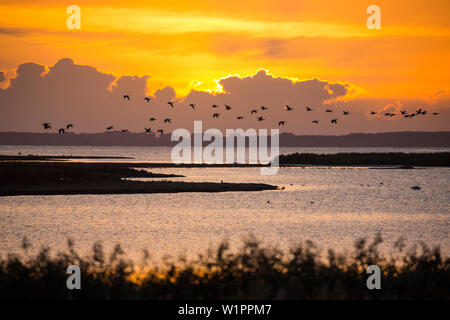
x=403 y=113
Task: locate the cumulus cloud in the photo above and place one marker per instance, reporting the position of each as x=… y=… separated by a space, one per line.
x=68 y=92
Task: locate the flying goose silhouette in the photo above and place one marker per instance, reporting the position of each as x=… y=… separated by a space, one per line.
x=170 y=103
x=281 y=123
x=167 y=120
x=334 y=121
x=288 y=108
x=216 y=115
x=126 y=96
x=147 y=99
x=47 y=125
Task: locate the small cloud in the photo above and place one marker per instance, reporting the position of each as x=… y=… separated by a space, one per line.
x=392 y=107
x=166 y=94
x=439 y=93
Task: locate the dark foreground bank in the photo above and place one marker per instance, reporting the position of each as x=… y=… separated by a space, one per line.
x=64 y=178
x=254 y=272
x=438 y=159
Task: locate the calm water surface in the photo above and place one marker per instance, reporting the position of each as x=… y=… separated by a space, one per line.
x=332 y=207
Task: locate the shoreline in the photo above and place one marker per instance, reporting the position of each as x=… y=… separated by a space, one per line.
x=379 y=160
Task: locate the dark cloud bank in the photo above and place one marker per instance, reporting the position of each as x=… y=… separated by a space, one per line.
x=70 y=93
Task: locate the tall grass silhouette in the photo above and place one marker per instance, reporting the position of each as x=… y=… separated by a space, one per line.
x=253 y=272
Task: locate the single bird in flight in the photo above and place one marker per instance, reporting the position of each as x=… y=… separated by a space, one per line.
x=47 y=125
x=170 y=103
x=125 y=96
x=334 y=121
x=281 y=123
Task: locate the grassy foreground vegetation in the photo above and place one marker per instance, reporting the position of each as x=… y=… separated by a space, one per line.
x=438 y=159
x=253 y=272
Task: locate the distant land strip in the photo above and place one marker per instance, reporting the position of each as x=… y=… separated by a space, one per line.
x=438 y=159
x=116 y=138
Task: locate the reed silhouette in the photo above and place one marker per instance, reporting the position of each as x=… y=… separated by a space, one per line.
x=253 y=272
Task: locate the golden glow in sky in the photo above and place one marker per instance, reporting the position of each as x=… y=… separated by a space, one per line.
x=192 y=44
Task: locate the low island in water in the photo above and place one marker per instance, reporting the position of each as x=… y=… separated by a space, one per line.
x=49 y=175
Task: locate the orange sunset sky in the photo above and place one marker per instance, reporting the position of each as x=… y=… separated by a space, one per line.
x=244 y=53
